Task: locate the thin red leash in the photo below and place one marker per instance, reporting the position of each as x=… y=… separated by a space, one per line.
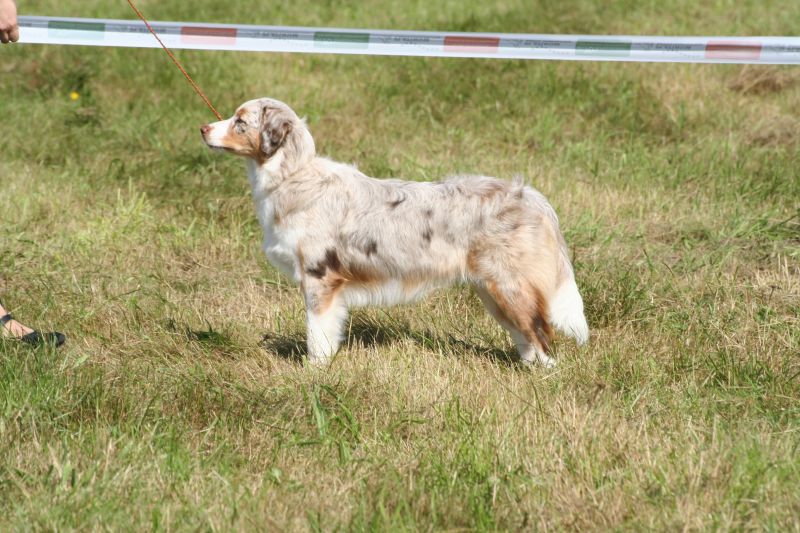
x=177 y=63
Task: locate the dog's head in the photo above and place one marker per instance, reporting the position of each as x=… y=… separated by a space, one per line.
x=262 y=130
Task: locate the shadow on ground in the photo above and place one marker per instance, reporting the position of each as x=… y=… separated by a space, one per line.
x=364 y=333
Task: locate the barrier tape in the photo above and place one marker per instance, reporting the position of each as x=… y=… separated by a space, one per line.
x=198 y=36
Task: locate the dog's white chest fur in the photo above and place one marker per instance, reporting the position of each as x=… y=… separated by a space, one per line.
x=280 y=245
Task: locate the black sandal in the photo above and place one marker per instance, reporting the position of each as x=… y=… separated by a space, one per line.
x=35 y=338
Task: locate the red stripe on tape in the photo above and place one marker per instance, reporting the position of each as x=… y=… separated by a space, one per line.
x=201 y=35
x=462 y=43
x=732 y=50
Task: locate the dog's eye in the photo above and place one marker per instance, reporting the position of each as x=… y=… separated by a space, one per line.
x=240 y=124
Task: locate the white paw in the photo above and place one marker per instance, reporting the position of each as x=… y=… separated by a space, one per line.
x=547 y=362
x=529 y=355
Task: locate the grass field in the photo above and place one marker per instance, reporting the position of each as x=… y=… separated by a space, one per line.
x=180 y=401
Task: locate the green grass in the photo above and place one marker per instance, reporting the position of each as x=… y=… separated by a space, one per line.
x=179 y=402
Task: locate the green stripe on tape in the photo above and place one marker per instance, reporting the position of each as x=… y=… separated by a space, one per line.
x=602 y=48
x=76 y=30
x=335 y=39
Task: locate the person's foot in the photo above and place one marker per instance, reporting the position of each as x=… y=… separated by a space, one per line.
x=12 y=328
x=16 y=330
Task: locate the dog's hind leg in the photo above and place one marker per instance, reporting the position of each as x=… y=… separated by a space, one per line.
x=522 y=317
x=326 y=313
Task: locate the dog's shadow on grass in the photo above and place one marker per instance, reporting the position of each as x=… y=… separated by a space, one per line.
x=289 y=347
x=361 y=332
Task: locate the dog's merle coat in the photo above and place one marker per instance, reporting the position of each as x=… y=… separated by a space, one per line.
x=352 y=240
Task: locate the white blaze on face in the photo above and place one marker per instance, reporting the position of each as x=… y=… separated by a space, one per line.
x=217 y=132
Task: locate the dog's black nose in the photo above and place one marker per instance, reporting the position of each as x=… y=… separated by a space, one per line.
x=205 y=129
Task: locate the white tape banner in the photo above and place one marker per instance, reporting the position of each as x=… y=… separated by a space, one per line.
x=199 y=36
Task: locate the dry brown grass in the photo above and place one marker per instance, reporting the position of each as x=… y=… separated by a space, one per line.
x=181 y=402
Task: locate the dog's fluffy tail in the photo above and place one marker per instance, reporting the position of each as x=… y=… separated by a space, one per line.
x=566 y=305
x=566 y=312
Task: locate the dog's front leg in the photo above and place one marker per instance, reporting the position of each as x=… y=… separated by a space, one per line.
x=325 y=316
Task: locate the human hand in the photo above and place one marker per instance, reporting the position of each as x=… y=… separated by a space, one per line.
x=9 y=29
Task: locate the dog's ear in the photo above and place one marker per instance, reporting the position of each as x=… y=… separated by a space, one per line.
x=275 y=126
